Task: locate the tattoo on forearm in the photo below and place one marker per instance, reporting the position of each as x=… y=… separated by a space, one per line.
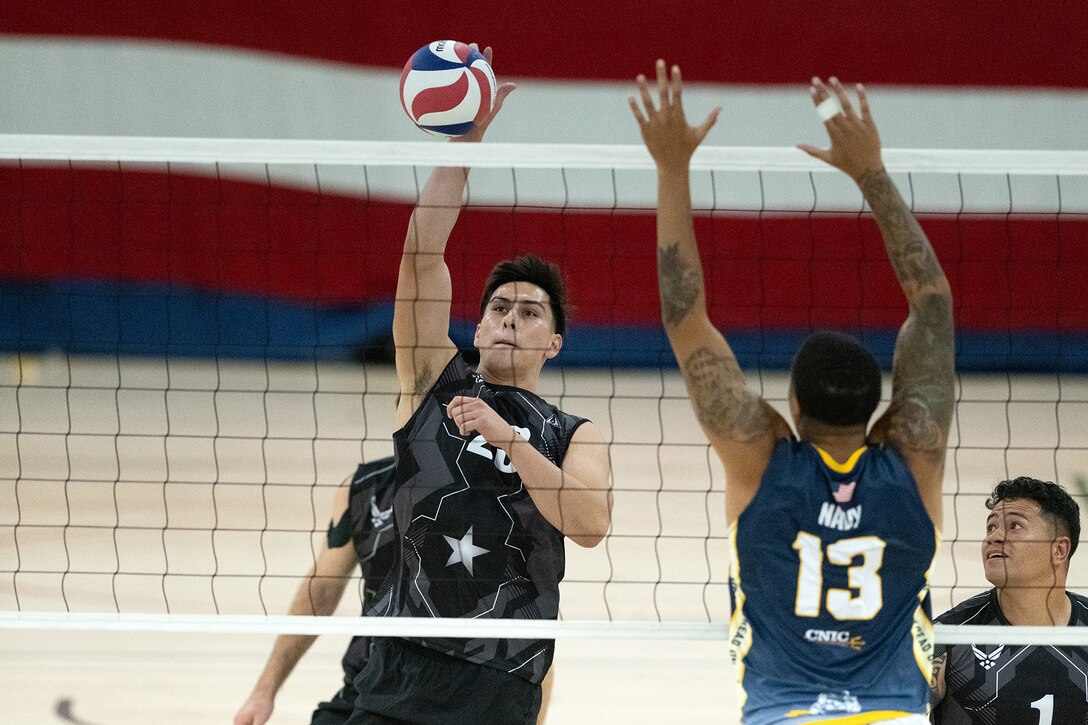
x=923 y=389
x=922 y=393
x=936 y=682
x=910 y=252
x=679 y=284
x=722 y=403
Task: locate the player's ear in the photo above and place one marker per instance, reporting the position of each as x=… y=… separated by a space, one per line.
x=1059 y=550
x=554 y=346
x=476 y=336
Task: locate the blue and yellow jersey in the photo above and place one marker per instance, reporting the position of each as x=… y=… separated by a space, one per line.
x=830 y=590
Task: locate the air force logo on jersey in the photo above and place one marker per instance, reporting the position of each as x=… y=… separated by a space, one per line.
x=377 y=516
x=987 y=661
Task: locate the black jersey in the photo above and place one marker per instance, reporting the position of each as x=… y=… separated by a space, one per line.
x=370 y=505
x=1012 y=684
x=471 y=542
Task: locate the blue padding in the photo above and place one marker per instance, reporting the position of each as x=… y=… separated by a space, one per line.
x=147 y=319
x=150 y=319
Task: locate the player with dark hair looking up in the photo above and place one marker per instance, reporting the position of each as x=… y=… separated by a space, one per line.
x=1031 y=534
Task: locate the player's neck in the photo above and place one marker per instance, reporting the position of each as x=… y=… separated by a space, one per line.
x=1035 y=606
x=526 y=380
x=837 y=441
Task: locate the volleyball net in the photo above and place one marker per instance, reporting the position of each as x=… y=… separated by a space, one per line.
x=197 y=345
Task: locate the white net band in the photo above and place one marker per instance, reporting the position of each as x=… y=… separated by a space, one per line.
x=477 y=628
x=513 y=155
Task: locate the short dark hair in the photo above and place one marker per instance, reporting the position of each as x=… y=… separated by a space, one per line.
x=1058 y=505
x=835 y=379
x=534 y=270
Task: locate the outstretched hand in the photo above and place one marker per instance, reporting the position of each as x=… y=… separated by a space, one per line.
x=501 y=92
x=855 y=142
x=665 y=130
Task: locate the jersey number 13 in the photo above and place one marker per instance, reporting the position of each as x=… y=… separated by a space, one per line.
x=842 y=604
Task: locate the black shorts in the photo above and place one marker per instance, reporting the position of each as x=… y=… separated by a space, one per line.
x=337 y=710
x=406 y=683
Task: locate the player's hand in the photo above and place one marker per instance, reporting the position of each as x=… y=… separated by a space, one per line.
x=501 y=92
x=255 y=711
x=665 y=130
x=855 y=142
x=473 y=414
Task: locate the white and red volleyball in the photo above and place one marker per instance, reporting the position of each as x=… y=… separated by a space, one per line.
x=447 y=88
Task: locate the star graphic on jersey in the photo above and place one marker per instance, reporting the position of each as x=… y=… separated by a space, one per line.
x=464 y=551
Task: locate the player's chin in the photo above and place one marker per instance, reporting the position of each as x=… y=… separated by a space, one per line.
x=499 y=356
x=997 y=571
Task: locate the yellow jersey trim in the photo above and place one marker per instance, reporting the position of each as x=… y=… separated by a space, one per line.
x=837 y=467
x=922 y=627
x=863 y=718
x=740 y=633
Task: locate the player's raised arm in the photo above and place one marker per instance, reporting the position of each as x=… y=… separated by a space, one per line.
x=421 y=313
x=923 y=371
x=741 y=426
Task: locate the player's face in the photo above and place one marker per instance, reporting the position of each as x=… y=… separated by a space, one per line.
x=1017 y=550
x=517 y=331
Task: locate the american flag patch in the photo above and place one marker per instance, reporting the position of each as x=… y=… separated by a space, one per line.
x=845 y=492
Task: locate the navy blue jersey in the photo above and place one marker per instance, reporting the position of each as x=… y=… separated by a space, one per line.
x=992 y=684
x=471 y=542
x=829 y=583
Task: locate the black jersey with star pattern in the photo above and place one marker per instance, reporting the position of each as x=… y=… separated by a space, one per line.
x=470 y=541
x=371 y=535
x=1007 y=684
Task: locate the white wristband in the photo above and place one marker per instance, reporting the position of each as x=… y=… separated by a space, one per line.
x=828 y=108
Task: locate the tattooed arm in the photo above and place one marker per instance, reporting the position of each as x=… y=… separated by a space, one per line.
x=741 y=426
x=421 y=311
x=923 y=371
x=937 y=683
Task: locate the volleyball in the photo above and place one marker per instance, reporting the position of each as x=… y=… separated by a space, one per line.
x=447 y=88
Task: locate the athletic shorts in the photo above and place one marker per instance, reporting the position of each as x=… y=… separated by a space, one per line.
x=403 y=682
x=337 y=710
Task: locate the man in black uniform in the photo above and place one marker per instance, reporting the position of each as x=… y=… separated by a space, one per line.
x=490 y=479
x=360 y=516
x=1031 y=533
